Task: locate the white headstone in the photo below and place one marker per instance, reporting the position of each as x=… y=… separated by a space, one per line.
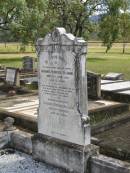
x=63 y=111
x=12 y=76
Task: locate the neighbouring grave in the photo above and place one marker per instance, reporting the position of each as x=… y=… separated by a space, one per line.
x=94 y=85
x=28 y=64
x=12 y=76
x=114 y=76
x=116 y=87
x=63 y=137
x=116 y=90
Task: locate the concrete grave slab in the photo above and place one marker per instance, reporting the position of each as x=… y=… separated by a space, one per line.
x=104 y=82
x=116 y=87
x=114 y=76
x=127 y=92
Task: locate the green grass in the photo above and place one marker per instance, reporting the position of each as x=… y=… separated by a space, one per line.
x=97 y=60
x=14 y=60
x=15 y=48
x=114 y=61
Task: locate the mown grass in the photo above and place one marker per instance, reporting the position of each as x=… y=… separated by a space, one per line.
x=97 y=60
x=114 y=61
x=14 y=59
x=15 y=48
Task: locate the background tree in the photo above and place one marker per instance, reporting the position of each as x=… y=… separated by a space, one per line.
x=25 y=19
x=125 y=23
x=75 y=15
x=109 y=25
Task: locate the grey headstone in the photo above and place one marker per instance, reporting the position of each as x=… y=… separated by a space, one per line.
x=94 y=85
x=63 y=112
x=28 y=63
x=114 y=76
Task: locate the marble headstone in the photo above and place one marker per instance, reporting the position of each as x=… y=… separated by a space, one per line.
x=63 y=112
x=12 y=76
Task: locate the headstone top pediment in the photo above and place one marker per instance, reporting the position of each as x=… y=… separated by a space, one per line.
x=60 y=36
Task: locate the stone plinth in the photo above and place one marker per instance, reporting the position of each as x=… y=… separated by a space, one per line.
x=62 y=154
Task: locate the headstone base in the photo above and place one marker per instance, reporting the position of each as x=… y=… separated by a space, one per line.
x=68 y=156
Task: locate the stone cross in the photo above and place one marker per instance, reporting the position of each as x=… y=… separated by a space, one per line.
x=63 y=111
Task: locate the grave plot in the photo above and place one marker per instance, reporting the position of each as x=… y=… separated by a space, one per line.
x=116 y=90
x=116 y=87
x=115 y=142
x=25 y=110
x=12 y=84
x=114 y=76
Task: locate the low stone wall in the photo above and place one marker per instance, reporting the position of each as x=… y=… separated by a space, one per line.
x=4 y=140
x=97 y=163
x=115 y=96
x=103 y=164
x=21 y=141
x=16 y=139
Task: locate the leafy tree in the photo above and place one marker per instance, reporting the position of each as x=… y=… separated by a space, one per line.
x=75 y=15
x=25 y=19
x=125 y=23
x=29 y=19
x=109 y=26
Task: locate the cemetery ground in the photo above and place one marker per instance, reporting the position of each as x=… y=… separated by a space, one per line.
x=98 y=61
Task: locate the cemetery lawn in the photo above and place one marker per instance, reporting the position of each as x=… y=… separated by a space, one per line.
x=114 y=61
x=98 y=60
x=13 y=59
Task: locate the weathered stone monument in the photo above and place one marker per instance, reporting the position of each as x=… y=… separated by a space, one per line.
x=63 y=124
x=12 y=76
x=94 y=85
x=28 y=63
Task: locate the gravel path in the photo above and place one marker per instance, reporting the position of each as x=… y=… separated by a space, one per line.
x=21 y=163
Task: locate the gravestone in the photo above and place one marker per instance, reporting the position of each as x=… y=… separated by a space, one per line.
x=114 y=76
x=12 y=76
x=28 y=63
x=94 y=85
x=63 y=124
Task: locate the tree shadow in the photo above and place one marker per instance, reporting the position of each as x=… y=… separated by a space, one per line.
x=110 y=52
x=4 y=60
x=96 y=59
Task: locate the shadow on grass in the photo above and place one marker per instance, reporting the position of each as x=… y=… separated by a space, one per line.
x=111 y=52
x=4 y=60
x=96 y=59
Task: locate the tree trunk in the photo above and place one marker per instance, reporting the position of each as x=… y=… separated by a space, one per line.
x=107 y=50
x=124 y=46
